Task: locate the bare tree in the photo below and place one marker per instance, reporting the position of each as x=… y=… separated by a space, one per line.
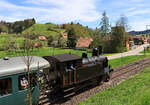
x=123 y=21
x=27 y=58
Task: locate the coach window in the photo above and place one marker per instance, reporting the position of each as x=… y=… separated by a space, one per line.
x=5 y=86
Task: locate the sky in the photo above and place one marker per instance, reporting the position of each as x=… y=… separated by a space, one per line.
x=86 y=12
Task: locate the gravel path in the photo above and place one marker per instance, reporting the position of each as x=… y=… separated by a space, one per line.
x=129 y=53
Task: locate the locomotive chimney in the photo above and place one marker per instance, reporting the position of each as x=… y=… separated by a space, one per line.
x=95 y=52
x=84 y=55
x=100 y=50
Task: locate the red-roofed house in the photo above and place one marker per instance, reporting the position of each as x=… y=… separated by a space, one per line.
x=37 y=45
x=42 y=38
x=65 y=35
x=84 y=42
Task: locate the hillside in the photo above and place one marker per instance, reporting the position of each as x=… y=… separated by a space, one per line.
x=44 y=29
x=54 y=30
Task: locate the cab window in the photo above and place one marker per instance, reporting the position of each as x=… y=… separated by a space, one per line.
x=5 y=86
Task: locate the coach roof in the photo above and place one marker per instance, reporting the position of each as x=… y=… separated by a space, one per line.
x=17 y=65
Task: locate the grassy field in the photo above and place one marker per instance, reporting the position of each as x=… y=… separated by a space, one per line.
x=134 y=91
x=125 y=60
x=146 y=51
x=46 y=51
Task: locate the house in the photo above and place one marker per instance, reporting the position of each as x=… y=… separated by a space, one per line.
x=84 y=43
x=37 y=45
x=42 y=38
x=138 y=40
x=65 y=35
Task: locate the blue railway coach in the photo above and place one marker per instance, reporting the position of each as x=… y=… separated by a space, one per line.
x=13 y=80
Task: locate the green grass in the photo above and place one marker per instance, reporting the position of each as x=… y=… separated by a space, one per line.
x=125 y=60
x=146 y=51
x=46 y=51
x=133 y=91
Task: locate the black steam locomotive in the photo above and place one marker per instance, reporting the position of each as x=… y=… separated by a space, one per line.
x=68 y=70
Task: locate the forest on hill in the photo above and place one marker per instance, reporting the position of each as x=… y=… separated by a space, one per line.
x=16 y=27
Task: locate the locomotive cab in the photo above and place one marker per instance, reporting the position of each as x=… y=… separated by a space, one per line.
x=64 y=66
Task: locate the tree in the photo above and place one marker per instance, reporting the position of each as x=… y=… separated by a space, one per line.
x=118 y=37
x=104 y=25
x=61 y=41
x=123 y=21
x=50 y=40
x=97 y=41
x=72 y=38
x=3 y=28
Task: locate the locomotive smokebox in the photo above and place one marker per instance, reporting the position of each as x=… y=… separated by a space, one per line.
x=95 y=52
x=100 y=50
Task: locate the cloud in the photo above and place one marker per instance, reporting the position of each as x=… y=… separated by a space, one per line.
x=138 y=12
x=57 y=11
x=140 y=25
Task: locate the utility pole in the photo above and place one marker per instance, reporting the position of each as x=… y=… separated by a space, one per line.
x=147 y=28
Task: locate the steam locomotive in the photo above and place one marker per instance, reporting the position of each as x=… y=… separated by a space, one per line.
x=72 y=71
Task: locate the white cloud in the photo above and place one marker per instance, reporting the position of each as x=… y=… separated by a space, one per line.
x=138 y=12
x=135 y=1
x=57 y=11
x=140 y=25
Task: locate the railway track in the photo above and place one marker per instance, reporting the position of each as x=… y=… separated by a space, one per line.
x=118 y=76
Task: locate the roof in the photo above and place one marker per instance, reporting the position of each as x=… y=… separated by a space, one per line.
x=65 y=35
x=63 y=57
x=42 y=38
x=17 y=65
x=84 y=42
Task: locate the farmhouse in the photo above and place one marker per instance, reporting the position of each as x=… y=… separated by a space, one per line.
x=42 y=38
x=84 y=43
x=65 y=35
